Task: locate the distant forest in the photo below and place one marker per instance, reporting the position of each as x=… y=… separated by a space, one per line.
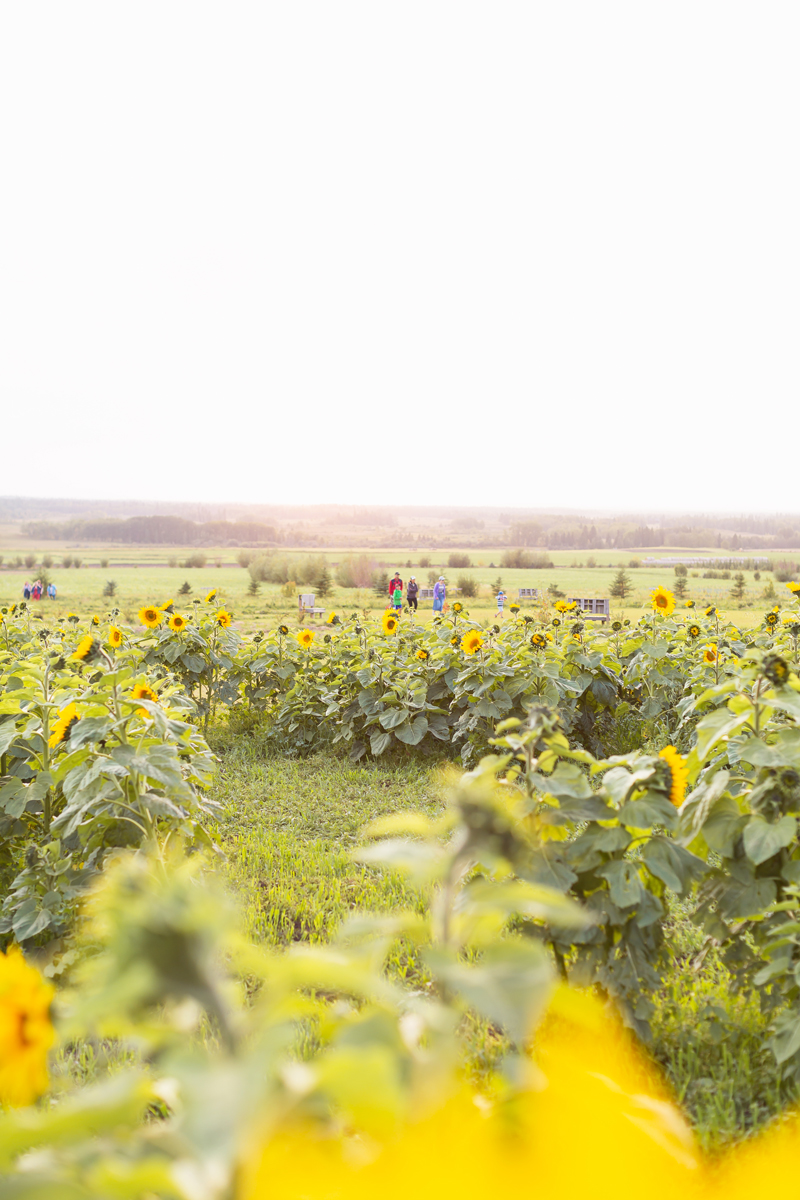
x=187 y=524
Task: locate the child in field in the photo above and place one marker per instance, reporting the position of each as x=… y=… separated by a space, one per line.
x=397 y=599
x=501 y=599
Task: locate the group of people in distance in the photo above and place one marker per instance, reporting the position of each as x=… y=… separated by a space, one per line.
x=439 y=594
x=412 y=593
x=35 y=591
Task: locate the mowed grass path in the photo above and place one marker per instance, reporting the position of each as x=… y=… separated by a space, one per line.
x=288 y=829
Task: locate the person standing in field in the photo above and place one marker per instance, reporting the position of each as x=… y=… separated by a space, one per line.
x=26 y=590
x=411 y=593
x=439 y=593
x=501 y=599
x=397 y=598
x=394 y=583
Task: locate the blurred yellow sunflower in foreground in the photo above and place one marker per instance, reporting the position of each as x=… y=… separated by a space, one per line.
x=305 y=637
x=177 y=623
x=389 y=622
x=26 y=1033
x=678 y=774
x=143 y=691
x=710 y=653
x=66 y=719
x=150 y=616
x=211 y=595
x=662 y=601
x=471 y=642
x=85 y=650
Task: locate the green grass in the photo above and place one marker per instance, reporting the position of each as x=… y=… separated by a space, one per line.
x=288 y=827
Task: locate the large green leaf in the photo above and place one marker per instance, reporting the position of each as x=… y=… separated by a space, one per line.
x=763 y=839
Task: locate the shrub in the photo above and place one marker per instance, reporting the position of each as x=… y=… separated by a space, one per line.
x=524 y=559
x=77 y=562
x=467 y=585
x=424 y=561
x=244 y=558
x=634 y=563
x=30 y=560
x=110 y=589
x=455 y=561
x=66 y=561
x=197 y=559
x=681 y=570
x=355 y=571
x=172 y=561
x=103 y=563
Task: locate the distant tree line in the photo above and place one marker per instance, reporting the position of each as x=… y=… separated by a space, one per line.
x=155 y=531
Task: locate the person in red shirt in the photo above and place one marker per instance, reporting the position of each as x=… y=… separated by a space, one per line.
x=395 y=583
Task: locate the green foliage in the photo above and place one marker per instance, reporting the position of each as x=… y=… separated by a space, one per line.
x=110 y=589
x=456 y=561
x=467 y=586
x=620 y=586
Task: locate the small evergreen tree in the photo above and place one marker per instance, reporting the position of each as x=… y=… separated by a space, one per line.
x=323 y=584
x=620 y=586
x=680 y=586
x=252 y=587
x=737 y=591
x=380 y=583
x=185 y=588
x=110 y=589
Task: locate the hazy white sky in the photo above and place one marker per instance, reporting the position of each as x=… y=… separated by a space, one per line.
x=515 y=253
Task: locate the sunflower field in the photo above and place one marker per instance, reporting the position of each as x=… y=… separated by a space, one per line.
x=615 y=776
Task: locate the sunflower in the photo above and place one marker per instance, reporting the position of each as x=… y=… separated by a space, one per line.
x=85 y=651
x=63 y=726
x=423 y=655
x=771 y=619
x=26 y=1033
x=776 y=669
x=114 y=637
x=305 y=637
x=710 y=653
x=73 y=617
x=514 y=608
x=143 y=691
x=95 y=619
x=150 y=616
x=561 y=606
x=389 y=622
x=616 y=626
x=211 y=595
x=538 y=640
x=710 y=611
x=690 y=603
x=283 y=630
x=678 y=774
x=455 y=641
x=223 y=618
x=458 y=607
x=333 y=619
x=555 y=622
x=177 y=623
x=662 y=601
x=693 y=631
x=167 y=607
x=471 y=642
x=794 y=588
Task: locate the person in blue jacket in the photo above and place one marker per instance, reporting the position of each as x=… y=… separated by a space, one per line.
x=438 y=594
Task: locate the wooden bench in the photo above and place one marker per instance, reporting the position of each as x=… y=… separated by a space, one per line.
x=529 y=593
x=592 y=610
x=305 y=603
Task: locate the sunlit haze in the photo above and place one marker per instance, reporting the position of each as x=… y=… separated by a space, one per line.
x=523 y=254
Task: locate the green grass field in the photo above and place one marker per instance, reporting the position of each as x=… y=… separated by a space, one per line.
x=147 y=578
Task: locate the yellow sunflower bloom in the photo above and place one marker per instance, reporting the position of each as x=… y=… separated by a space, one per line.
x=167 y=607
x=333 y=619
x=389 y=622
x=211 y=595
x=423 y=655
x=662 y=601
x=224 y=618
x=458 y=607
x=66 y=719
x=95 y=619
x=177 y=623
x=142 y=691
x=471 y=642
x=115 y=637
x=710 y=653
x=561 y=606
x=26 y=1032
x=305 y=637
x=678 y=774
x=85 y=650
x=150 y=616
